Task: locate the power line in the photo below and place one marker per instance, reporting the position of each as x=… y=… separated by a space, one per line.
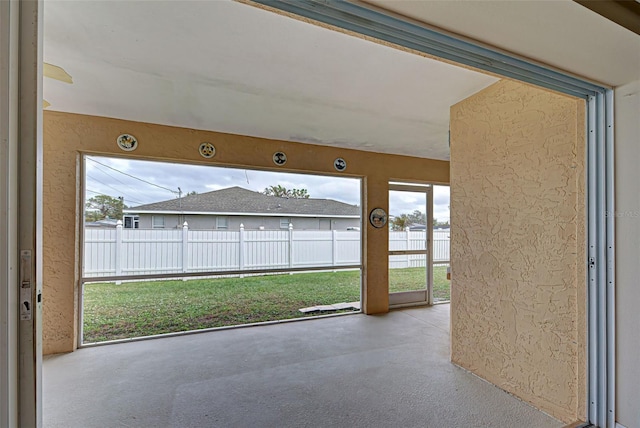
x=117 y=179
x=133 y=176
x=102 y=193
x=93 y=191
x=113 y=188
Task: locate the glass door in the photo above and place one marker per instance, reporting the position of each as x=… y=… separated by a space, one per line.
x=410 y=237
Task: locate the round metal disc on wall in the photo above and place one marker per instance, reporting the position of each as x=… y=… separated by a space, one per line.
x=127 y=142
x=207 y=150
x=340 y=164
x=279 y=158
x=378 y=218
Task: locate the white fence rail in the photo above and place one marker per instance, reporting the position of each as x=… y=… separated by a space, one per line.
x=119 y=251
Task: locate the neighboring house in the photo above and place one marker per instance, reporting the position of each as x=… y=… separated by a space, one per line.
x=105 y=223
x=227 y=209
x=416 y=226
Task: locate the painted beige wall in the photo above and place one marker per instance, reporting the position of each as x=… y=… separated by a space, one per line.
x=627 y=219
x=66 y=136
x=517 y=244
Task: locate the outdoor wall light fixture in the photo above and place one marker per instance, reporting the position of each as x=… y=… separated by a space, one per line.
x=279 y=158
x=127 y=142
x=207 y=150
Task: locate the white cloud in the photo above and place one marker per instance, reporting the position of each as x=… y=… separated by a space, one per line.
x=161 y=181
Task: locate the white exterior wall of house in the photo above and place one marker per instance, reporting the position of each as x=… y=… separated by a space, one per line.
x=209 y=222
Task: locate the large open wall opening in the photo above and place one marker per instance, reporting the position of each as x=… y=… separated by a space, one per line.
x=269 y=246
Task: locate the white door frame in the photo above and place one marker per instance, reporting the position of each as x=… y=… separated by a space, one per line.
x=20 y=212
x=401 y=299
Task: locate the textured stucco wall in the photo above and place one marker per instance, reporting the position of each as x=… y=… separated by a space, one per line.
x=627 y=218
x=517 y=244
x=67 y=136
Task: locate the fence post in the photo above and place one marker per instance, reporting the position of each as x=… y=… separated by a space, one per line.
x=185 y=248
x=406 y=230
x=290 y=245
x=118 y=252
x=241 y=250
x=334 y=251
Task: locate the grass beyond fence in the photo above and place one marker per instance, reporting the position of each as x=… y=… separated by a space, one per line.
x=415 y=278
x=154 y=307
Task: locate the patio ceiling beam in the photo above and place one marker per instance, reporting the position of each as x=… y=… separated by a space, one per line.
x=625 y=13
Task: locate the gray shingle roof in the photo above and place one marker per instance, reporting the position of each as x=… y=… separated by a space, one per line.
x=240 y=200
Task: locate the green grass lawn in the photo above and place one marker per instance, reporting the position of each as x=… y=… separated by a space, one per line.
x=415 y=278
x=153 y=307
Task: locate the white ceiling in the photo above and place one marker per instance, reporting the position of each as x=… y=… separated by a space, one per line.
x=230 y=67
x=560 y=33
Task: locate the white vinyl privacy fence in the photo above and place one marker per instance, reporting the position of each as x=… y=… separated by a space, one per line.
x=124 y=252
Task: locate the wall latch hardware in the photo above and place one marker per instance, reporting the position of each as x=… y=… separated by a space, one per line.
x=26 y=279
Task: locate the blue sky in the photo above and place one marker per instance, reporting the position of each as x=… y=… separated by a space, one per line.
x=159 y=181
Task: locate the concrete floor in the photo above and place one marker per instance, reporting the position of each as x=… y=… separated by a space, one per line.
x=350 y=371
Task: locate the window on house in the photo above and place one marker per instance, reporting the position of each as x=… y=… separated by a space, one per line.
x=222 y=222
x=157 y=222
x=131 y=222
x=284 y=223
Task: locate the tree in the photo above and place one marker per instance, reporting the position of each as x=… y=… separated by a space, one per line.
x=400 y=222
x=103 y=206
x=403 y=221
x=283 y=192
